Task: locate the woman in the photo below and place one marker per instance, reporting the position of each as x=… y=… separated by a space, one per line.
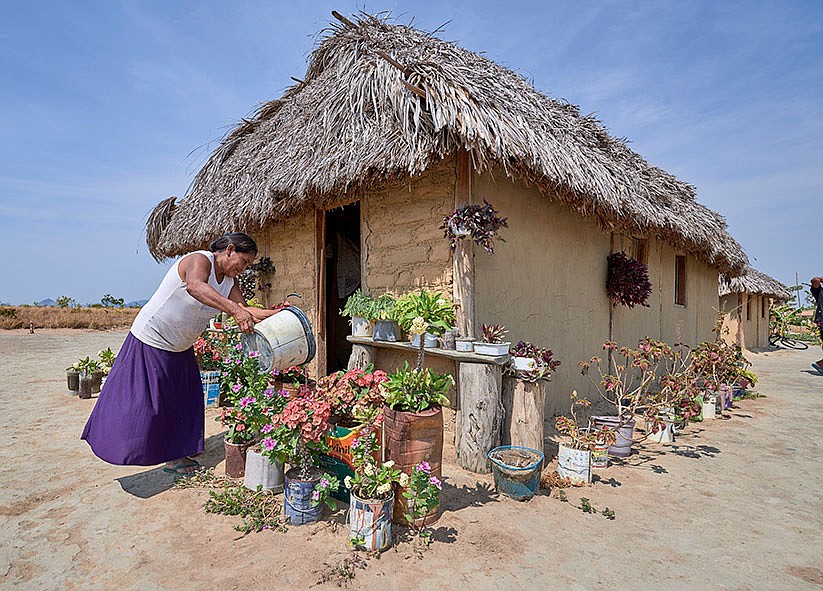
x=150 y=409
x=817 y=294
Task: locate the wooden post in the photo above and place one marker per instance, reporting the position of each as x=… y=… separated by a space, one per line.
x=524 y=408
x=361 y=357
x=479 y=416
x=463 y=257
x=320 y=284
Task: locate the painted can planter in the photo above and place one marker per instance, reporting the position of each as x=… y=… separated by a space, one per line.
x=262 y=472
x=516 y=470
x=370 y=521
x=622 y=447
x=297 y=497
x=360 y=327
x=73 y=380
x=386 y=330
x=411 y=438
x=235 y=459
x=574 y=464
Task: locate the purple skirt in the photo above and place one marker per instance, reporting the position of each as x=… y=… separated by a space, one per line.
x=150 y=409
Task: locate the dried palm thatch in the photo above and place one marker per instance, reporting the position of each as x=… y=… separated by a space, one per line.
x=380 y=101
x=754 y=282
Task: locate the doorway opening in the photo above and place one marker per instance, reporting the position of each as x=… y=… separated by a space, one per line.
x=343 y=276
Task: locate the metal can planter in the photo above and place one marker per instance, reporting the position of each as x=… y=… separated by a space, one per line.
x=370 y=521
x=73 y=380
x=235 y=459
x=297 y=497
x=262 y=472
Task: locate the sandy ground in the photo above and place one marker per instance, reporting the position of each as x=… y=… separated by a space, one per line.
x=732 y=504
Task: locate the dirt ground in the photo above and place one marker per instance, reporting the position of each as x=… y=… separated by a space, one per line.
x=732 y=504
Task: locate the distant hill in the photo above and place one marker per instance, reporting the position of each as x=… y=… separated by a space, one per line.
x=46 y=302
x=136 y=304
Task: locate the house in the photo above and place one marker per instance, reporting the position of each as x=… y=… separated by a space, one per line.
x=352 y=170
x=744 y=303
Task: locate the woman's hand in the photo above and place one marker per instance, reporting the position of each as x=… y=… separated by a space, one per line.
x=260 y=314
x=245 y=320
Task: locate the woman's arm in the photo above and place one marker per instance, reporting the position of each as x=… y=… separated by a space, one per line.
x=258 y=314
x=194 y=271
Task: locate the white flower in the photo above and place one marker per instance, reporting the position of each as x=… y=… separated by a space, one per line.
x=388 y=464
x=368 y=470
x=384 y=488
x=347 y=481
x=404 y=479
x=419 y=325
x=442 y=302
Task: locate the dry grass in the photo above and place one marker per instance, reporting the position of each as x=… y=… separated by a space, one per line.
x=12 y=317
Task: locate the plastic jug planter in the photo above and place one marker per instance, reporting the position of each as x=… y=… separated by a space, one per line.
x=516 y=470
x=370 y=520
x=575 y=464
x=73 y=380
x=710 y=407
x=622 y=448
x=297 y=497
x=263 y=473
x=85 y=386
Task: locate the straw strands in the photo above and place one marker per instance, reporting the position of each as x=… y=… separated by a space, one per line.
x=381 y=101
x=754 y=282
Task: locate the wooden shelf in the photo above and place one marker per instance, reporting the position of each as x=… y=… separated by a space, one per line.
x=466 y=357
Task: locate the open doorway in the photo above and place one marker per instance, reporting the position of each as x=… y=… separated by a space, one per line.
x=342 y=278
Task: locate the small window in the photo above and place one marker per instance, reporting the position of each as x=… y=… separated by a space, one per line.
x=680 y=280
x=641 y=250
x=748 y=307
x=763 y=306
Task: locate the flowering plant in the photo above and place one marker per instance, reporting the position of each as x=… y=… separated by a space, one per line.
x=481 y=222
x=372 y=480
x=627 y=281
x=579 y=427
x=416 y=390
x=107 y=357
x=543 y=364
x=354 y=396
x=422 y=495
x=321 y=495
x=382 y=308
x=207 y=351
x=241 y=376
x=296 y=374
x=295 y=435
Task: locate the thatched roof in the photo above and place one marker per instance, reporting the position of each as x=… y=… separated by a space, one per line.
x=754 y=282
x=358 y=118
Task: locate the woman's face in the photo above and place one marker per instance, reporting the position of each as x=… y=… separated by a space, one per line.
x=237 y=262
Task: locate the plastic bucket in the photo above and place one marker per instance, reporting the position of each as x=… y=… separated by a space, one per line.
x=297 y=499
x=282 y=340
x=516 y=470
x=263 y=473
x=370 y=520
x=574 y=464
x=622 y=447
x=211 y=387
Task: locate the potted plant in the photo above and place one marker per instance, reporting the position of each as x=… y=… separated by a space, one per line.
x=627 y=281
x=356 y=403
x=243 y=422
x=478 y=222
x=209 y=355
x=90 y=378
x=532 y=362
x=371 y=495
x=297 y=438
x=575 y=456
x=73 y=376
x=491 y=340
x=421 y=499
x=261 y=470
x=628 y=389
x=292 y=378
x=413 y=423
x=359 y=309
x=425 y=315
x=385 y=325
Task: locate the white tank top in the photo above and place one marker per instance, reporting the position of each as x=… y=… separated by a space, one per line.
x=172 y=319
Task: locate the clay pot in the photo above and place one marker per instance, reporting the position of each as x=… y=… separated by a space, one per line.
x=411 y=438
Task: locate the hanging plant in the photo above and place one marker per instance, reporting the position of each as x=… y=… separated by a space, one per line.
x=480 y=222
x=628 y=281
x=257 y=278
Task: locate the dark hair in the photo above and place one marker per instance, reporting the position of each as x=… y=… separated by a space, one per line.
x=242 y=242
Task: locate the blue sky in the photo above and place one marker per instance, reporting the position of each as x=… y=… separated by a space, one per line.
x=108 y=107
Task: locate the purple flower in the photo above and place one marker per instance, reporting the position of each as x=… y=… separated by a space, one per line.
x=269 y=443
x=246 y=401
x=435 y=481
x=239 y=347
x=283 y=393
x=268 y=428
x=236 y=388
x=268 y=392
x=254 y=354
x=316 y=495
x=424 y=467
x=324 y=483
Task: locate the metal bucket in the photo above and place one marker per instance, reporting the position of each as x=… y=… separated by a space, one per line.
x=282 y=340
x=370 y=520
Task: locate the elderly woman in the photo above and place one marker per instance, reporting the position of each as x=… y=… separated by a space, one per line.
x=150 y=409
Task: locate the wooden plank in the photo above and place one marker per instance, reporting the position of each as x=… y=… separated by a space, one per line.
x=479 y=415
x=463 y=256
x=361 y=357
x=464 y=357
x=320 y=283
x=524 y=411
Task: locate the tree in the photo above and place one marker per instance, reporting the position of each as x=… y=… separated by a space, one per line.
x=66 y=302
x=110 y=301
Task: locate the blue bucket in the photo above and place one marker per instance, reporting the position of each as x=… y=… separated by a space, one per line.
x=516 y=470
x=297 y=499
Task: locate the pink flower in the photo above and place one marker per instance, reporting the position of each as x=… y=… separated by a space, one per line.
x=239 y=347
x=268 y=428
x=254 y=354
x=269 y=443
x=246 y=401
x=424 y=467
x=435 y=481
x=236 y=388
x=315 y=495
x=324 y=483
x=238 y=361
